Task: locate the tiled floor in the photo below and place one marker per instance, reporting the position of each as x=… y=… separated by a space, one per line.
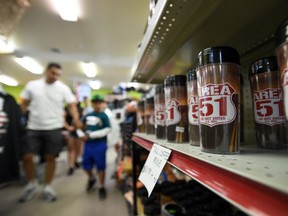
x=72 y=197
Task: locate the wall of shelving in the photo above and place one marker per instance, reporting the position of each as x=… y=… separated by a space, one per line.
x=179 y=30
x=176 y=33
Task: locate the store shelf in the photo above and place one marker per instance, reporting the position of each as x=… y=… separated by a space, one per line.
x=255 y=180
x=179 y=30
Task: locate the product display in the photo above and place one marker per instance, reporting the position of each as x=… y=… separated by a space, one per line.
x=267 y=99
x=198 y=112
x=282 y=57
x=192 y=96
x=141 y=117
x=183 y=198
x=218 y=81
x=160 y=117
x=176 y=108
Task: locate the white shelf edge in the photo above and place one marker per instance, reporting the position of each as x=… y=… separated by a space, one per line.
x=266 y=167
x=149 y=32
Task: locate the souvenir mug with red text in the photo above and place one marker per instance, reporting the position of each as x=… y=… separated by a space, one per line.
x=176 y=109
x=192 y=97
x=267 y=97
x=282 y=59
x=218 y=81
x=159 y=109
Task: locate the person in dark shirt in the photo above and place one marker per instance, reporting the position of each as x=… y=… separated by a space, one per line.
x=96 y=127
x=74 y=143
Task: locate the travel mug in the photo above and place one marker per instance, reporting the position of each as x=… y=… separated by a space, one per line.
x=176 y=109
x=160 y=116
x=192 y=96
x=282 y=58
x=218 y=81
x=267 y=98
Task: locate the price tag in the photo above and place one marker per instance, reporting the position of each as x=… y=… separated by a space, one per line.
x=153 y=166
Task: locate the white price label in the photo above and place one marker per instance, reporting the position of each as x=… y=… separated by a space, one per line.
x=153 y=166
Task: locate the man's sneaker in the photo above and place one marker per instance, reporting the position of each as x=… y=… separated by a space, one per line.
x=28 y=192
x=77 y=165
x=49 y=194
x=70 y=171
x=90 y=184
x=102 y=193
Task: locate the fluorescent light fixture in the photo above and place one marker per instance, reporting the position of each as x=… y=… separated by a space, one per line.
x=6 y=47
x=30 y=64
x=67 y=9
x=89 y=69
x=8 y=80
x=95 y=84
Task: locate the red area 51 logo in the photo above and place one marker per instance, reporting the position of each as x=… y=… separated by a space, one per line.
x=216 y=106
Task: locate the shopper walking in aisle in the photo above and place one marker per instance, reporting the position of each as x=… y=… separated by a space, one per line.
x=74 y=143
x=45 y=98
x=97 y=127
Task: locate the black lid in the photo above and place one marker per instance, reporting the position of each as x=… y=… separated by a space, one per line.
x=142 y=192
x=149 y=100
x=177 y=80
x=179 y=195
x=219 y=54
x=148 y=200
x=263 y=65
x=281 y=34
x=173 y=209
x=157 y=188
x=166 y=184
x=191 y=75
x=159 y=89
x=140 y=103
x=153 y=208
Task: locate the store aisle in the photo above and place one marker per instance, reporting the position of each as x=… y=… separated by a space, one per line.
x=72 y=197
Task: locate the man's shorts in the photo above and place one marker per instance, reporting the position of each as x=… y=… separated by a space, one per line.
x=43 y=141
x=95 y=154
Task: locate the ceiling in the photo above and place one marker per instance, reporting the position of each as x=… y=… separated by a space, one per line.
x=107 y=33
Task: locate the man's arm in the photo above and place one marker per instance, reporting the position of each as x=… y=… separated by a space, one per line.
x=24 y=105
x=72 y=109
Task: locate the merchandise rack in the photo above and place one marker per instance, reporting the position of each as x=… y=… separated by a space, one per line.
x=256 y=181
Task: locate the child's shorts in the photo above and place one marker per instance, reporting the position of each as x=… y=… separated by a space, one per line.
x=95 y=154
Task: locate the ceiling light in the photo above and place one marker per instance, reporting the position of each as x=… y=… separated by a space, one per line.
x=95 y=84
x=8 y=80
x=30 y=64
x=67 y=9
x=6 y=47
x=89 y=69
